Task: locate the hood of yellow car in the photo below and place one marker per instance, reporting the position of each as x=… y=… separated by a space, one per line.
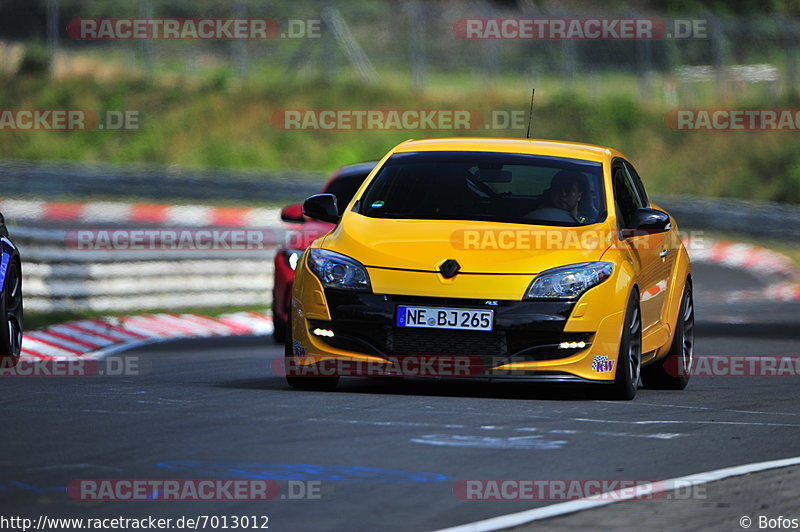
x=478 y=247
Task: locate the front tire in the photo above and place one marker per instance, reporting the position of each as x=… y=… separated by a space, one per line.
x=673 y=371
x=629 y=362
x=11 y=311
x=278 y=326
x=303 y=383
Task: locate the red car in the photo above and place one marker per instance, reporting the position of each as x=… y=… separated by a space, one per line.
x=343 y=184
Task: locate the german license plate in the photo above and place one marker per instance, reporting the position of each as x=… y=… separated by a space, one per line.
x=445 y=318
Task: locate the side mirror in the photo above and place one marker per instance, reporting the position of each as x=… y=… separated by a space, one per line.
x=293 y=214
x=322 y=207
x=647 y=221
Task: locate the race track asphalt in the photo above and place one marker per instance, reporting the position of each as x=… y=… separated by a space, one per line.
x=386 y=455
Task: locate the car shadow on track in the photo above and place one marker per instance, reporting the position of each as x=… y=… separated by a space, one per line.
x=747 y=330
x=436 y=388
x=473 y=388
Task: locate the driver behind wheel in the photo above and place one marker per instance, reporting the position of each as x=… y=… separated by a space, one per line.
x=560 y=201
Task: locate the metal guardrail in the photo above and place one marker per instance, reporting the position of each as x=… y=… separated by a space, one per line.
x=43 y=179
x=59 y=278
x=46 y=179
x=56 y=278
x=775 y=221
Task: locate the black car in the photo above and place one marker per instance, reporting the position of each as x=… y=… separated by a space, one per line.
x=10 y=299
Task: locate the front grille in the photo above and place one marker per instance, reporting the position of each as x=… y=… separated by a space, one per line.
x=385 y=340
x=355 y=344
x=440 y=342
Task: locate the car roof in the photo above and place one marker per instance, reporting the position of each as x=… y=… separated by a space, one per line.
x=554 y=148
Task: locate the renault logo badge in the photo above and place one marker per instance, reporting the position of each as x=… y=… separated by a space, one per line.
x=449 y=268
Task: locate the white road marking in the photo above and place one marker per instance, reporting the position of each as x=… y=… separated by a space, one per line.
x=564 y=508
x=58 y=341
x=622 y=422
x=70 y=411
x=690 y=407
x=259 y=217
x=23 y=209
x=69 y=467
x=80 y=335
x=106 y=211
x=484 y=442
x=29 y=342
x=162 y=401
x=657 y=436
x=682 y=422
x=111 y=412
x=382 y=423
x=188 y=215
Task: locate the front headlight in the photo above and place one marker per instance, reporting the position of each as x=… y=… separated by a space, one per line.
x=338 y=271
x=569 y=282
x=292 y=256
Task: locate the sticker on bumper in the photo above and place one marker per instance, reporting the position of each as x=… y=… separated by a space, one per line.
x=602 y=364
x=297 y=349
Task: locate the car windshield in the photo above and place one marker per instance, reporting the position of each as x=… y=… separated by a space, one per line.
x=487 y=186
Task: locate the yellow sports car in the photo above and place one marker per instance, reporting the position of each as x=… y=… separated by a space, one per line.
x=501 y=258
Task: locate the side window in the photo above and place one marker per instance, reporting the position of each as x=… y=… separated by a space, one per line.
x=344 y=188
x=625 y=197
x=637 y=183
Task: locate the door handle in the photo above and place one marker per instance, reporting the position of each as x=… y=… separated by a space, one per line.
x=664 y=253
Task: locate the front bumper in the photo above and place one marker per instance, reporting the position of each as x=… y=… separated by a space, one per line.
x=525 y=341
